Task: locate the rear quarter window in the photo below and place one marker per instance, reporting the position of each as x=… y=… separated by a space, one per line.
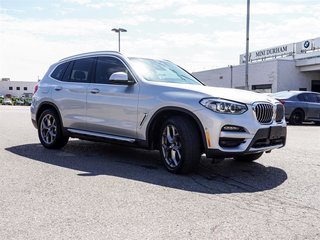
x=59 y=71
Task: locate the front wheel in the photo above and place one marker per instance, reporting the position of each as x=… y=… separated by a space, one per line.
x=50 y=130
x=249 y=157
x=179 y=145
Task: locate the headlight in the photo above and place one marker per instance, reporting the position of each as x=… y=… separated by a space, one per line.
x=223 y=106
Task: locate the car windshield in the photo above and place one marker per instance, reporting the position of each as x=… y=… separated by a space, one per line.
x=162 y=71
x=283 y=95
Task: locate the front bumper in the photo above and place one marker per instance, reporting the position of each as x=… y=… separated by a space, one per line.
x=254 y=137
x=264 y=140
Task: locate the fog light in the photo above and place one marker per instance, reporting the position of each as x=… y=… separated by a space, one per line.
x=231 y=128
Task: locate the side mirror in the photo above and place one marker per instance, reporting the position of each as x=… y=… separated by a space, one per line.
x=120 y=78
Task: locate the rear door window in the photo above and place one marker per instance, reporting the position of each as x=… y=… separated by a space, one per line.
x=310 y=97
x=80 y=71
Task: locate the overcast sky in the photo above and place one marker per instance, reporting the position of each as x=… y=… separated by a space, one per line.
x=196 y=34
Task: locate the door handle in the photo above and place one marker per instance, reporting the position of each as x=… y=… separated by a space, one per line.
x=94 y=90
x=58 y=88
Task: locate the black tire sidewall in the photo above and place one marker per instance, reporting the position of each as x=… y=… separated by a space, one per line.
x=293 y=119
x=190 y=149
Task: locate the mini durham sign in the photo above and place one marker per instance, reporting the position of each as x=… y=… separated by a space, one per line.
x=284 y=50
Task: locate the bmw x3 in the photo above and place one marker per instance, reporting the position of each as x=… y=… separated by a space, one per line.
x=154 y=104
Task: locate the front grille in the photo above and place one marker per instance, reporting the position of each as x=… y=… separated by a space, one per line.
x=279 y=113
x=263 y=138
x=267 y=142
x=264 y=112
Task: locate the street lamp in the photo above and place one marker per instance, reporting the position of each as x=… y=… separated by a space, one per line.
x=231 y=75
x=247 y=47
x=119 y=30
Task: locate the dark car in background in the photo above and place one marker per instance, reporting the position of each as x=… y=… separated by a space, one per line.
x=300 y=106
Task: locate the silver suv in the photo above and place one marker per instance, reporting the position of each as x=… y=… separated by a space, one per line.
x=154 y=104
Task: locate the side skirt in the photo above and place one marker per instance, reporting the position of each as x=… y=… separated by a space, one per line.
x=101 y=137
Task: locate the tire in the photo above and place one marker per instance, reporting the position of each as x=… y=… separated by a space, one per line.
x=179 y=145
x=248 y=157
x=50 y=130
x=296 y=117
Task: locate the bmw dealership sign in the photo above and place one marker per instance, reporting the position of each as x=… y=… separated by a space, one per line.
x=283 y=50
x=304 y=46
x=286 y=50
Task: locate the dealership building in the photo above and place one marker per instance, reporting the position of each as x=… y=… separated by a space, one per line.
x=294 y=66
x=16 y=88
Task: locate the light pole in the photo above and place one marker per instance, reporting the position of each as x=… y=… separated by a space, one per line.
x=247 y=47
x=119 y=30
x=231 y=76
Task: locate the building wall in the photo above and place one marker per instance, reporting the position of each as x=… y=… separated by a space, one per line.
x=259 y=74
x=290 y=77
x=220 y=77
x=282 y=74
x=18 y=88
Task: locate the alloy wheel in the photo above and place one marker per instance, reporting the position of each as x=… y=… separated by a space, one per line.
x=171 y=146
x=48 y=129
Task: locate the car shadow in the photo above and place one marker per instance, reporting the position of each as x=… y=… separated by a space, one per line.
x=304 y=124
x=211 y=177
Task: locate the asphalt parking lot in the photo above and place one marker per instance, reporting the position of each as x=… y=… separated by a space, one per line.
x=99 y=191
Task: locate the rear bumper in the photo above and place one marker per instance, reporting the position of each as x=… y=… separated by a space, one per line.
x=34 y=122
x=33 y=116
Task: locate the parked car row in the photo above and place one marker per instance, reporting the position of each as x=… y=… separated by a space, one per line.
x=300 y=106
x=15 y=101
x=7 y=101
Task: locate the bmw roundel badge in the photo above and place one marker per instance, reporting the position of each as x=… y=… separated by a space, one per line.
x=306 y=44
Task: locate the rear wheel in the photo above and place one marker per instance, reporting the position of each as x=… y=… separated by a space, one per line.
x=50 y=130
x=179 y=145
x=249 y=157
x=296 y=117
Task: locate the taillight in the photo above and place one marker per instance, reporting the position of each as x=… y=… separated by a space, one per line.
x=282 y=101
x=36 y=87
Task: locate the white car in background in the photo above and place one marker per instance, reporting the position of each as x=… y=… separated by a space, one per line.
x=7 y=101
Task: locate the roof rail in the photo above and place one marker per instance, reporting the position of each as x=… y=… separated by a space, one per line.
x=88 y=54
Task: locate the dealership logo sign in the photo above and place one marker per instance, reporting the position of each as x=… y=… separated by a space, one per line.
x=272 y=51
x=284 y=50
x=287 y=50
x=306 y=44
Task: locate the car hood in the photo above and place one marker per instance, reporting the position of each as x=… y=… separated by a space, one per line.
x=237 y=95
